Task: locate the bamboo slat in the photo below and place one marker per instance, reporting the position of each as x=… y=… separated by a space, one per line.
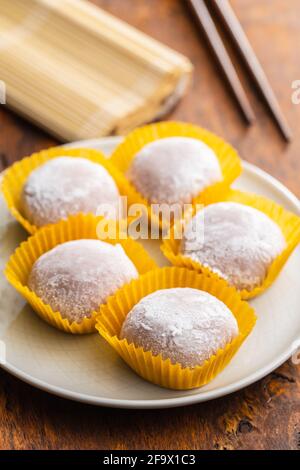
x=80 y=73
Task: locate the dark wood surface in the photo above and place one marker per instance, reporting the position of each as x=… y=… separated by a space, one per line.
x=265 y=415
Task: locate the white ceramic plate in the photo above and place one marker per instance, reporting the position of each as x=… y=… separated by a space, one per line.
x=86 y=369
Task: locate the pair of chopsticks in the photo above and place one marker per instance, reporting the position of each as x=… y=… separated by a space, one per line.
x=235 y=30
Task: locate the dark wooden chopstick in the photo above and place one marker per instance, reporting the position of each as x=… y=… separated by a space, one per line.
x=204 y=18
x=235 y=29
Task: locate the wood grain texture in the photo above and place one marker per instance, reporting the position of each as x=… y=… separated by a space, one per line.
x=265 y=415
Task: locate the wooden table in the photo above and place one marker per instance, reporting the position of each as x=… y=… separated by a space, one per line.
x=265 y=415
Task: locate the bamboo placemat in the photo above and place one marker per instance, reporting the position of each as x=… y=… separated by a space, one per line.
x=80 y=72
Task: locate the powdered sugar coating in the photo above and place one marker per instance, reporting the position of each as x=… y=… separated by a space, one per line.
x=74 y=278
x=184 y=324
x=64 y=186
x=240 y=242
x=174 y=170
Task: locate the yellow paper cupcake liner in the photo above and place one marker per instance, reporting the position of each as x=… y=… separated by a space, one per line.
x=76 y=227
x=155 y=369
x=227 y=156
x=288 y=222
x=15 y=177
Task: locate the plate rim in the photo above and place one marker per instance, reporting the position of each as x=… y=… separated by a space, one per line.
x=176 y=401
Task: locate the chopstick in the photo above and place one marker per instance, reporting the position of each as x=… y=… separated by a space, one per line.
x=235 y=29
x=204 y=18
